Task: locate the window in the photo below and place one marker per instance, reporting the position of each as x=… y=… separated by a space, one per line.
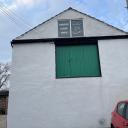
x=64 y=28
x=77 y=61
x=68 y=28
x=121 y=109
x=126 y=113
x=77 y=28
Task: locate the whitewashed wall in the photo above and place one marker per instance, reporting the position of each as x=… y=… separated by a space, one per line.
x=92 y=27
x=38 y=100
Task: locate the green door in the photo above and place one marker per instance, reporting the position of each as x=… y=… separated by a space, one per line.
x=77 y=61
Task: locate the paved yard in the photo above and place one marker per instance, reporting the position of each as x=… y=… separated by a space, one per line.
x=3 y=121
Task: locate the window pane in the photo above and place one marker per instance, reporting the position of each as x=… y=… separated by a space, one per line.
x=77 y=61
x=120 y=109
x=77 y=28
x=126 y=112
x=64 y=28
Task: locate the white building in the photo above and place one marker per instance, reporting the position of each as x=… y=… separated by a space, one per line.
x=68 y=72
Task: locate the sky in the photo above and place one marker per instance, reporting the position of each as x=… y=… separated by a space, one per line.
x=19 y=16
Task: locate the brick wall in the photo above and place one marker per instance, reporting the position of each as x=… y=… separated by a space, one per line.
x=3 y=102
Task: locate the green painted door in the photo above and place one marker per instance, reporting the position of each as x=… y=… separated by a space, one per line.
x=77 y=61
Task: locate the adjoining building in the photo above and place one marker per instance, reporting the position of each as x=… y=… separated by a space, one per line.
x=3 y=108
x=68 y=72
x=4 y=102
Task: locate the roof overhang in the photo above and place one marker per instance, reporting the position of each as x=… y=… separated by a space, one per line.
x=4 y=93
x=45 y=40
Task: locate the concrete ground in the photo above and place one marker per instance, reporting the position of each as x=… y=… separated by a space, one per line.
x=3 y=120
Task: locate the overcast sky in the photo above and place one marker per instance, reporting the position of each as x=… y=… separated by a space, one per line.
x=18 y=16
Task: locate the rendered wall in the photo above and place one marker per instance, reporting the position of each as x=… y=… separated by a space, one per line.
x=39 y=100
x=92 y=27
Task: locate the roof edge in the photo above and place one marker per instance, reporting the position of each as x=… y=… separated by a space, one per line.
x=100 y=21
x=70 y=8
x=4 y=93
x=25 y=41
